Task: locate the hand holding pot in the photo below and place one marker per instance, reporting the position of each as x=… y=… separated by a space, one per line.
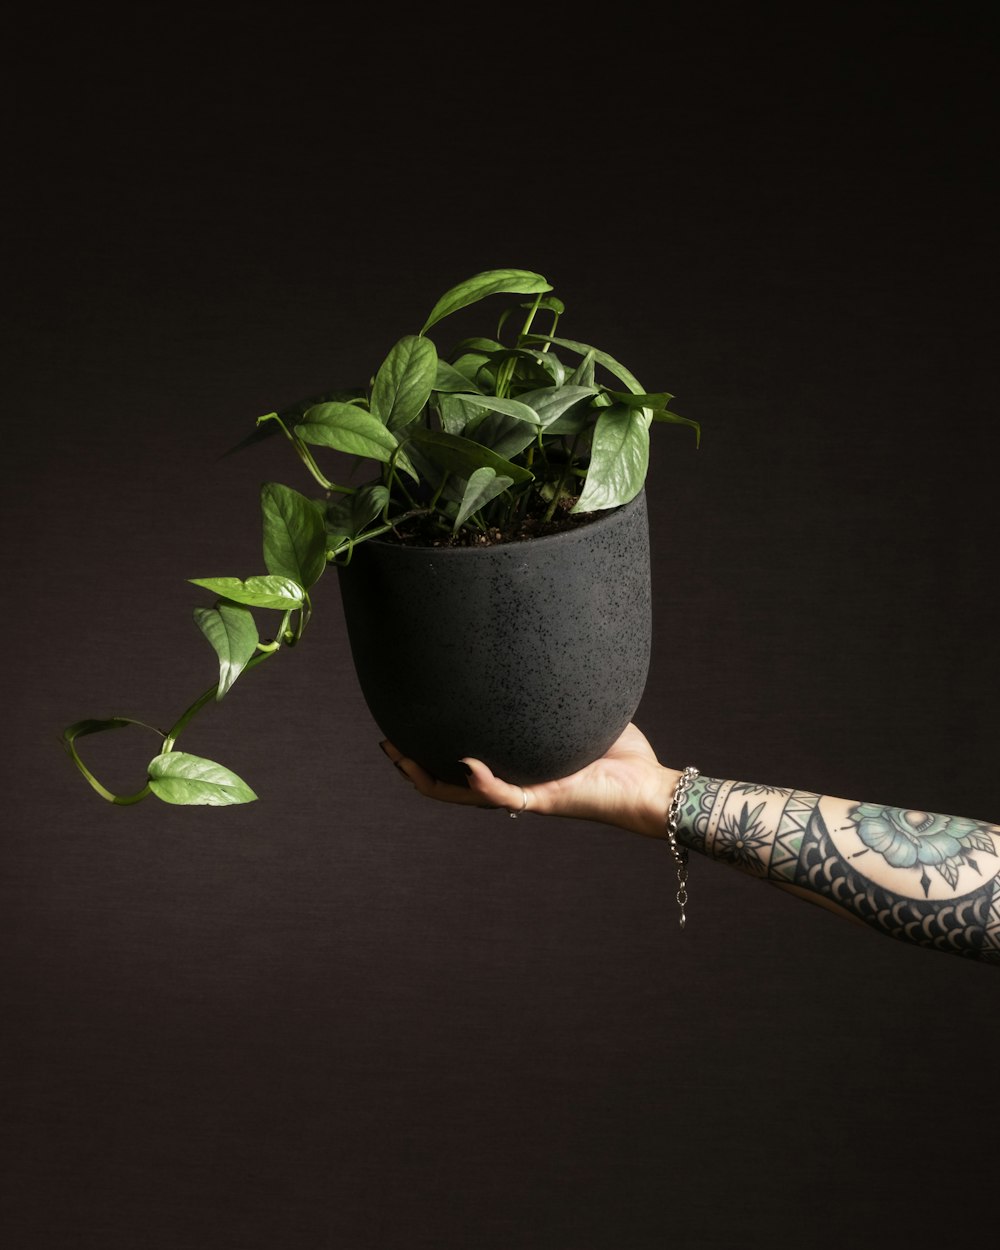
x=627 y=787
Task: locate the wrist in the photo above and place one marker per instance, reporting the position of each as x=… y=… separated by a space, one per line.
x=651 y=812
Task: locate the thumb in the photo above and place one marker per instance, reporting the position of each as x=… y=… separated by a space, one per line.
x=498 y=792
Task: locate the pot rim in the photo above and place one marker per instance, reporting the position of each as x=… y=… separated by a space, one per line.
x=603 y=516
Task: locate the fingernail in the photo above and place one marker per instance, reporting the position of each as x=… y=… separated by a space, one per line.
x=400 y=769
x=462 y=764
x=381 y=747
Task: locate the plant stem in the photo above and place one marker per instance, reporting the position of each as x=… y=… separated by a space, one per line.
x=550 y=511
x=528 y=320
x=393 y=479
x=305 y=455
x=349 y=544
x=120 y=800
x=191 y=712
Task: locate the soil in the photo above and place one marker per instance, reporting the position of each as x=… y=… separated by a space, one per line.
x=420 y=531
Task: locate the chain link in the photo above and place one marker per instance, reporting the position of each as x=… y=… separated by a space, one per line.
x=684 y=783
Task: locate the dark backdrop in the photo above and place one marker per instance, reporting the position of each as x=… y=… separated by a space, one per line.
x=348 y=1017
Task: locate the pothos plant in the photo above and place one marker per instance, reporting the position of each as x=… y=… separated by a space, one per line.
x=502 y=437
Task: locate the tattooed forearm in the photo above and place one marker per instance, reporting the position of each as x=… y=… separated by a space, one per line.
x=921 y=877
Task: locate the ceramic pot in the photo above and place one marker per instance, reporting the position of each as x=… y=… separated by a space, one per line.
x=531 y=656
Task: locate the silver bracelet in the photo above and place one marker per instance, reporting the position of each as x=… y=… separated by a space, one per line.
x=680 y=853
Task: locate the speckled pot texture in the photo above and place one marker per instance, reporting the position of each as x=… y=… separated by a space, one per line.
x=532 y=656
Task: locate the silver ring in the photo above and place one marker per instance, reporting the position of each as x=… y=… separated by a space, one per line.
x=524 y=804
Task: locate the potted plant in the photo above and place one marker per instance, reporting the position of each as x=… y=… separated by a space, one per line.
x=493 y=563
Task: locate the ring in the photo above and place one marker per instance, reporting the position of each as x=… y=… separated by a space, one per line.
x=524 y=804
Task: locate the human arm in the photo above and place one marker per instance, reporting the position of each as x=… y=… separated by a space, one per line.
x=924 y=878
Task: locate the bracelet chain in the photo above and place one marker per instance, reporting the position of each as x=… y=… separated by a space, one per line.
x=680 y=853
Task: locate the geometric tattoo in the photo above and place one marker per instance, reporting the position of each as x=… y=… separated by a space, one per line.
x=917 y=876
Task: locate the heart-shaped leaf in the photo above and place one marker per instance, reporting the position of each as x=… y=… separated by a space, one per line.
x=255 y=592
x=294 y=539
x=490 y=282
x=190 y=780
x=232 y=632
x=348 y=428
x=482 y=486
x=404 y=381
x=619 y=458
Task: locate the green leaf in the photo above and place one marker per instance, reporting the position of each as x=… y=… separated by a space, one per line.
x=550 y=302
x=188 y=779
x=633 y=400
x=449 y=378
x=232 y=632
x=491 y=403
x=255 y=592
x=550 y=402
x=482 y=486
x=532 y=366
x=463 y=456
x=345 y=427
x=619 y=459
x=436 y=477
x=453 y=413
x=84 y=727
x=549 y=362
x=469 y=364
x=347 y=517
x=505 y=435
x=404 y=381
x=583 y=374
x=294 y=539
x=267 y=428
x=457 y=412
x=663 y=414
x=490 y=282
x=478 y=344
x=289 y=414
x=613 y=366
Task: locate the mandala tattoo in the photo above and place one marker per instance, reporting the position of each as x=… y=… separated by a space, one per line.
x=908 y=839
x=918 y=876
x=743 y=841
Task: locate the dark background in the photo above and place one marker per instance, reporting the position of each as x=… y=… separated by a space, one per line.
x=348 y=1017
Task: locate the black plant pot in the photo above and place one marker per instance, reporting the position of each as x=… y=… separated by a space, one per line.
x=531 y=656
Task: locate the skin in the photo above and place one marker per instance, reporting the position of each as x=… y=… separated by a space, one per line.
x=628 y=787
x=928 y=879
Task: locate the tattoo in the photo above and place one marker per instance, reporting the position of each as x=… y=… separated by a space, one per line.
x=696 y=811
x=918 y=876
x=922 y=840
x=743 y=841
x=746 y=787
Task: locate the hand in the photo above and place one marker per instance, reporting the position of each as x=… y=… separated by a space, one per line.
x=627 y=787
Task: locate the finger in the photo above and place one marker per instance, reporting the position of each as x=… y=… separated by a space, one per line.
x=498 y=793
x=429 y=786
